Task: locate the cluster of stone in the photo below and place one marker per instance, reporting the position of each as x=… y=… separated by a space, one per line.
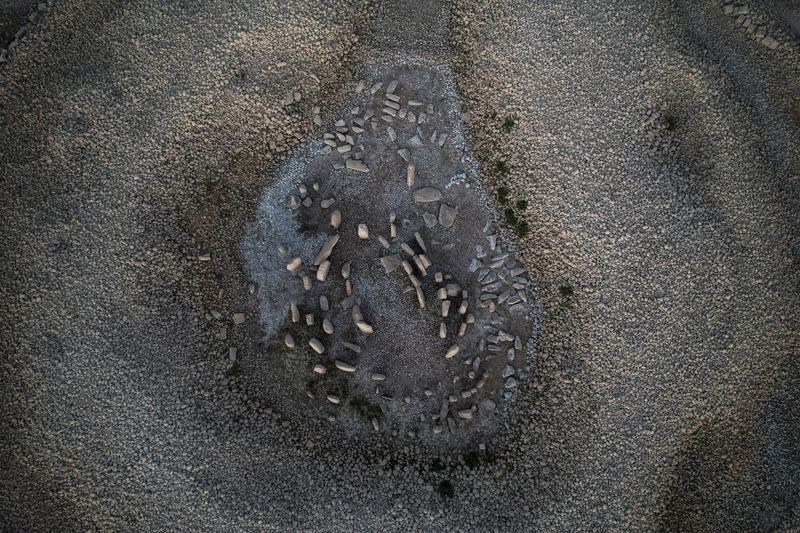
x=502 y=281
x=745 y=19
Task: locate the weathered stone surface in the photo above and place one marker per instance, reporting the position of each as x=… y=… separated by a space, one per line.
x=427 y=194
x=447 y=215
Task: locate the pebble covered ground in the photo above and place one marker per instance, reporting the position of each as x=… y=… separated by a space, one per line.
x=644 y=162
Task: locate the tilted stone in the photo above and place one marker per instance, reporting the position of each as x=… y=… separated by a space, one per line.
x=327 y=248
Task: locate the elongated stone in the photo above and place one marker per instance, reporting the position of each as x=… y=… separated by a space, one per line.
x=391 y=87
x=383 y=241
x=295 y=312
x=327 y=327
x=420 y=298
x=442 y=330
x=319 y=369
x=322 y=271
x=294 y=264
x=306 y=282
x=427 y=194
x=326 y=249
x=316 y=345
x=363 y=327
x=333 y=399
x=344 y=366
x=421 y=242
x=410 y=175
x=445 y=307
x=451 y=352
x=346 y=270
x=352 y=347
x=376 y=87
x=405 y=154
x=377 y=377
x=326 y=203
x=392 y=135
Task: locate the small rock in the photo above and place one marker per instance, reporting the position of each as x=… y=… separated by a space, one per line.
x=344 y=366
x=319 y=369
x=239 y=318
x=289 y=340
x=451 y=352
x=363 y=231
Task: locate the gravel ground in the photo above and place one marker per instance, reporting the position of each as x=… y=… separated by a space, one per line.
x=657 y=151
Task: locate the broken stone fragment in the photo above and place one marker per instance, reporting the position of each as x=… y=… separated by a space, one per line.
x=319 y=369
x=442 y=330
x=326 y=249
x=363 y=327
x=363 y=231
x=377 y=377
x=238 y=318
x=445 y=307
x=295 y=312
x=441 y=140
x=392 y=135
x=306 y=282
x=441 y=294
x=466 y=414
x=447 y=215
x=309 y=319
x=415 y=141
x=405 y=154
x=391 y=87
x=427 y=194
x=289 y=340
x=376 y=87
x=204 y=257
x=316 y=345
x=344 y=366
x=326 y=203
x=355 y=164
x=294 y=264
x=451 y=352
x=322 y=271
x=346 y=270
x=336 y=218
x=390 y=263
x=425 y=261
x=462 y=329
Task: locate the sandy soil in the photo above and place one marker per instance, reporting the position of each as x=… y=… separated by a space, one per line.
x=657 y=150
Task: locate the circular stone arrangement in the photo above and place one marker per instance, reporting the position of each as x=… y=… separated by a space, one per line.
x=384 y=281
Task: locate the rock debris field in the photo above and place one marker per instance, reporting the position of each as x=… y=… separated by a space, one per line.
x=442 y=265
x=380 y=266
